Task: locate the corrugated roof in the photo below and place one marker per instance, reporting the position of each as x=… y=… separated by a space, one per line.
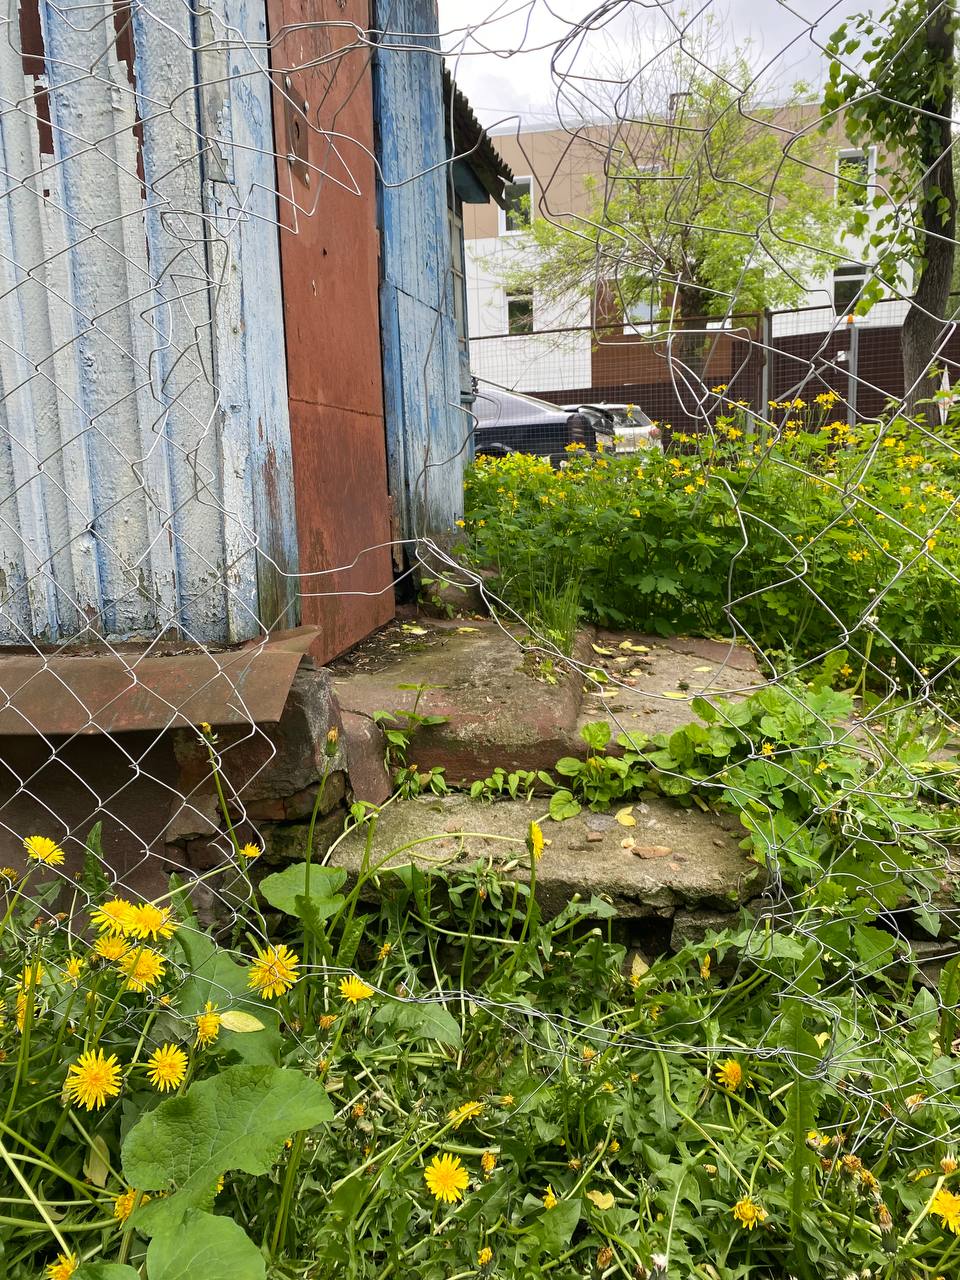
x=470 y=141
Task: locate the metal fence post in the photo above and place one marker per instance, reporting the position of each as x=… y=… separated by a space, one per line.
x=853 y=362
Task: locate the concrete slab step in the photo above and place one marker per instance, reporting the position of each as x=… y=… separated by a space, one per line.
x=501 y=705
x=683 y=863
x=652 y=680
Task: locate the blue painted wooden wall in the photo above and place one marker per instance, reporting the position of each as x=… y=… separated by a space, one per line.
x=426 y=428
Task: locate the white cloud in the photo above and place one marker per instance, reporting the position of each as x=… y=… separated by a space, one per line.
x=519 y=59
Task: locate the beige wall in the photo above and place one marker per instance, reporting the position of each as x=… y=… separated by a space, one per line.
x=558 y=160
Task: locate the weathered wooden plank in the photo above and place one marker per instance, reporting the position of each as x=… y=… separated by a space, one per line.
x=425 y=427
x=250 y=360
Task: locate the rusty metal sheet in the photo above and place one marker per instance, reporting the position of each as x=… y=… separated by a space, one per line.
x=123 y=693
x=329 y=252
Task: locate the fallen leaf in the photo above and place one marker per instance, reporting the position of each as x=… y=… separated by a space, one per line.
x=634 y=648
x=237 y=1020
x=703 y=668
x=462 y=631
x=625 y=816
x=652 y=850
x=594 y=837
x=602 y=1199
x=411 y=630
x=638 y=966
x=673 y=693
x=598 y=648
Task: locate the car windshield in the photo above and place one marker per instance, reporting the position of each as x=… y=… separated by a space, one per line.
x=494 y=404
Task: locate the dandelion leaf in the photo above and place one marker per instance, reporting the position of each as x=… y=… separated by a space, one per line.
x=204 y=1245
x=235 y=1120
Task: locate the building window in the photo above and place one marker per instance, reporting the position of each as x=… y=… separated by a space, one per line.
x=519 y=200
x=855 y=171
x=519 y=313
x=641 y=312
x=848 y=280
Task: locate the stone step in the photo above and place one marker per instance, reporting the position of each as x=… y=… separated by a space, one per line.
x=685 y=870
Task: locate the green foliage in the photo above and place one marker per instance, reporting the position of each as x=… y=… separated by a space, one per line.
x=710 y=201
x=798 y=530
x=890 y=76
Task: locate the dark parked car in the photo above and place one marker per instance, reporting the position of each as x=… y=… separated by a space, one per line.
x=510 y=422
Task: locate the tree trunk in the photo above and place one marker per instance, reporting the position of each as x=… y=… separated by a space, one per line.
x=923 y=329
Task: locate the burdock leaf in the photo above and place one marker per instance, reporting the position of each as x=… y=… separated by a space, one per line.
x=235 y=1120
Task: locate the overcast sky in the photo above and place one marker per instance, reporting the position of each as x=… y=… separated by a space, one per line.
x=501 y=50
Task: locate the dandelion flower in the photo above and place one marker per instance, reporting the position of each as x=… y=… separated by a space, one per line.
x=730 y=1075
x=92 y=1079
x=326 y=1021
x=748 y=1214
x=914 y=1102
x=488 y=1162
x=115 y=917
x=9 y=873
x=466 y=1111
x=274 y=971
x=250 y=852
x=153 y=922
x=485 y=1256
x=166 y=1067
x=949 y=1165
x=42 y=849
x=64 y=1267
x=355 y=989
x=446 y=1178
x=123 y=1205
x=946 y=1206
x=208 y=1025
x=535 y=841
x=143 y=968
x=550 y=1201
x=884 y=1219
x=110 y=948
x=384 y=951
x=73 y=969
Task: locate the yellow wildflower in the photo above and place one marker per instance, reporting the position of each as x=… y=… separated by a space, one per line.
x=488 y=1162
x=730 y=1075
x=73 y=969
x=946 y=1206
x=115 y=918
x=208 y=1025
x=250 y=851
x=153 y=922
x=550 y=1201
x=485 y=1256
x=274 y=971
x=354 y=989
x=111 y=948
x=123 y=1205
x=142 y=967
x=748 y=1214
x=42 y=849
x=466 y=1111
x=166 y=1067
x=92 y=1079
x=446 y=1178
x=535 y=841
x=64 y=1267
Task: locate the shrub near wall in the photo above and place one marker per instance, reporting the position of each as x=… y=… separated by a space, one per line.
x=806 y=536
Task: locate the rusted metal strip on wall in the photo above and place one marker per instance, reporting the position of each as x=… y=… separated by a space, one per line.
x=144 y=443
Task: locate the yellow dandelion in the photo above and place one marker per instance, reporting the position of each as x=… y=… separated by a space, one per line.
x=326 y=1021
x=767 y=749
x=946 y=1206
x=535 y=841
x=64 y=1267
x=446 y=1178
x=466 y=1111
x=384 y=951
x=274 y=971
x=142 y=968
x=92 y=1079
x=949 y=1165
x=550 y=1201
x=115 y=918
x=705 y=967
x=73 y=969
x=914 y=1102
x=250 y=851
x=166 y=1067
x=110 y=948
x=9 y=873
x=748 y=1214
x=153 y=922
x=123 y=1205
x=485 y=1256
x=42 y=849
x=355 y=989
x=488 y=1162
x=730 y=1075
x=208 y=1025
